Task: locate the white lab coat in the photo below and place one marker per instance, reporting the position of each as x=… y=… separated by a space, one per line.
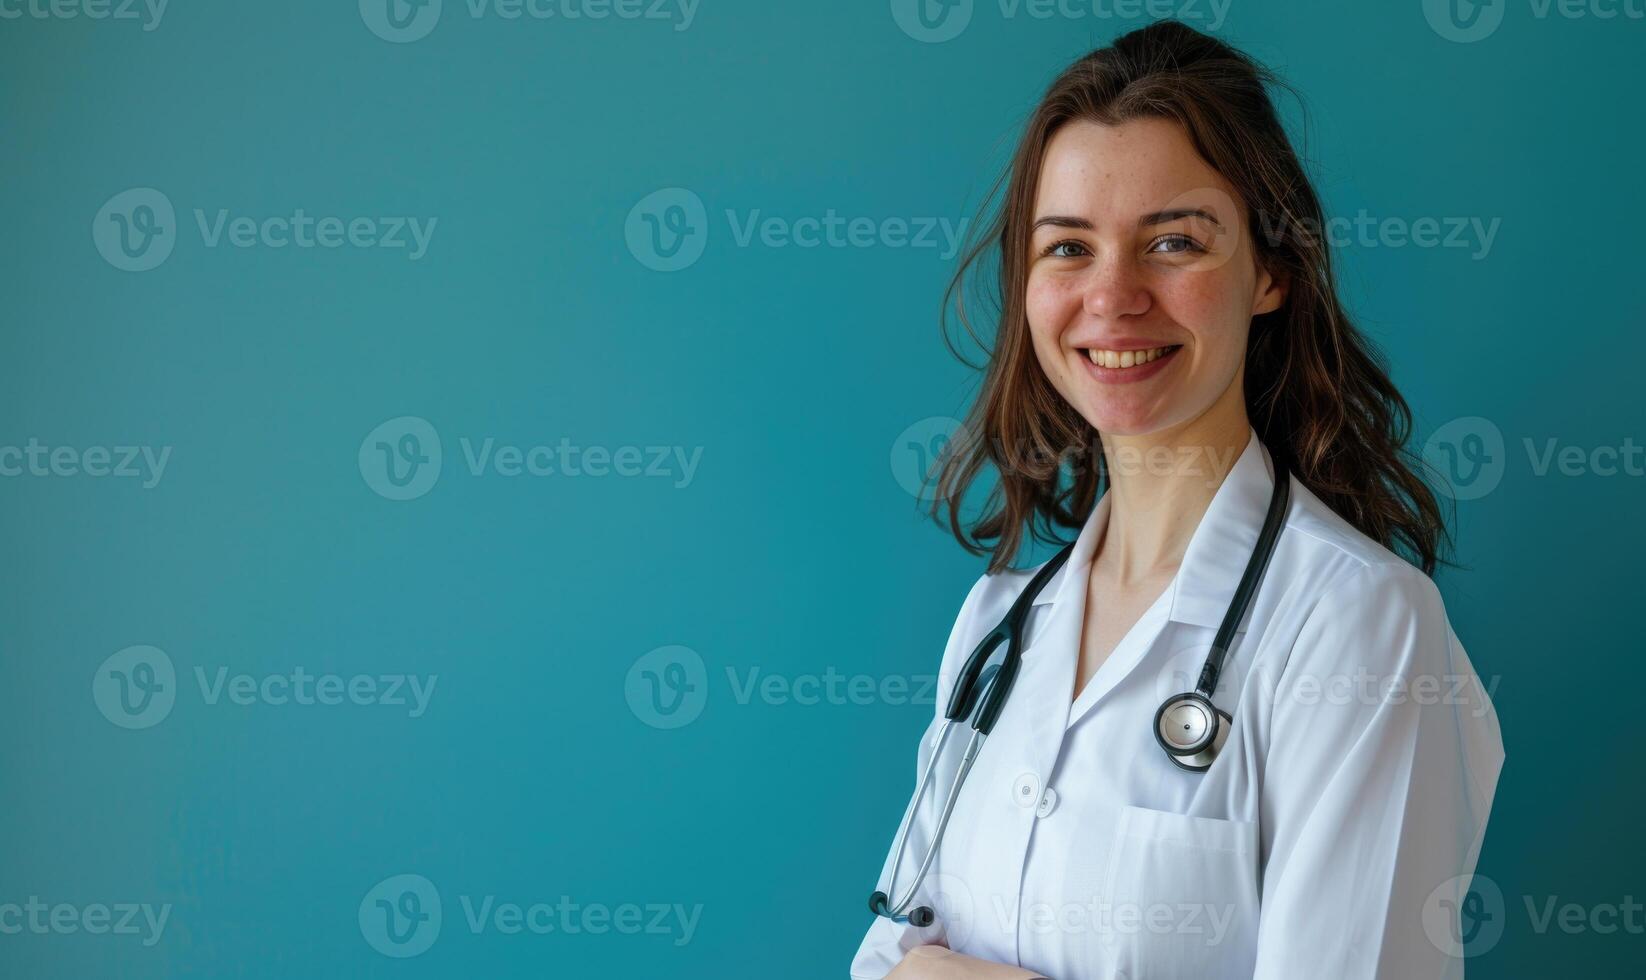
x=1326 y=839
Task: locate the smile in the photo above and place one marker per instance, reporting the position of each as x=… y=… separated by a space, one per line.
x=1128 y=358
x=1125 y=366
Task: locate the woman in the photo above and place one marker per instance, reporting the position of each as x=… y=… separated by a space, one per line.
x=1170 y=333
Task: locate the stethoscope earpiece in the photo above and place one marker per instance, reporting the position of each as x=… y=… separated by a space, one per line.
x=877 y=903
x=920 y=917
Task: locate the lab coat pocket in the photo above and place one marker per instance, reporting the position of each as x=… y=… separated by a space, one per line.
x=1181 y=896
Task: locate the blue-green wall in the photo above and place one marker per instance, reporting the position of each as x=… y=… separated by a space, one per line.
x=786 y=377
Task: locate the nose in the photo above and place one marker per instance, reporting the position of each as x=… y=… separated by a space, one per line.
x=1115 y=288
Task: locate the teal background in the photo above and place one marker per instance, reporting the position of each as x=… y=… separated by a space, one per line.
x=795 y=549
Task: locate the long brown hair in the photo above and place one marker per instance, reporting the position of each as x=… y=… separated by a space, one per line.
x=1316 y=391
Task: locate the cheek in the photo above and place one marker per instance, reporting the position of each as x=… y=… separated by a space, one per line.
x=1215 y=307
x=1050 y=305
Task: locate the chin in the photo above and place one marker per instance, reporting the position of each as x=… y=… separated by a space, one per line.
x=1123 y=417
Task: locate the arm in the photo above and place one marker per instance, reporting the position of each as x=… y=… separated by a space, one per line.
x=1374 y=798
x=939 y=963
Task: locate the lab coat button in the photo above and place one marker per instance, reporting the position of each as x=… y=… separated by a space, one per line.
x=1048 y=802
x=1026 y=791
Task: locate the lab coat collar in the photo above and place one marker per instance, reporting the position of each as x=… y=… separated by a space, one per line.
x=1217 y=552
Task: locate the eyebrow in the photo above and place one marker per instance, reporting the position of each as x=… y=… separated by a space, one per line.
x=1153 y=218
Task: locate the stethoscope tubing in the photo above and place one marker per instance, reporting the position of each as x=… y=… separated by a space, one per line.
x=980 y=694
x=898 y=910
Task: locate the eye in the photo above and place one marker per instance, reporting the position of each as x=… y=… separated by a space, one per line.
x=1066 y=249
x=1176 y=244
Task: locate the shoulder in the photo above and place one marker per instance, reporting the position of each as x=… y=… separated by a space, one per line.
x=1350 y=603
x=1345 y=567
x=1363 y=639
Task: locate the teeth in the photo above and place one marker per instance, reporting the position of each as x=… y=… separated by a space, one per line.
x=1125 y=358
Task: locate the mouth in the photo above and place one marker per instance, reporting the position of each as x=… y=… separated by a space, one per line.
x=1125 y=360
x=1126 y=366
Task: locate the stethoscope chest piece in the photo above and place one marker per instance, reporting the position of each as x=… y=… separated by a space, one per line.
x=1192 y=730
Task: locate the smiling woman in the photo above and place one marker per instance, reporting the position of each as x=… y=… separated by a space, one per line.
x=1163 y=792
x=1154 y=183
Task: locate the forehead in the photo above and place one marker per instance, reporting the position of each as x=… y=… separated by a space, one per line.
x=1101 y=172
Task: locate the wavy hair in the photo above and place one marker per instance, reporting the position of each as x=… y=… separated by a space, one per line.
x=1316 y=391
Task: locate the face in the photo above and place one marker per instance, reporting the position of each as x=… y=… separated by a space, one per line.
x=1142 y=280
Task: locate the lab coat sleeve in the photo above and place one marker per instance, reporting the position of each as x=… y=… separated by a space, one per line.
x=1383 y=758
x=886 y=941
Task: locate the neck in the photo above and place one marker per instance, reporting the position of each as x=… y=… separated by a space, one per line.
x=1160 y=485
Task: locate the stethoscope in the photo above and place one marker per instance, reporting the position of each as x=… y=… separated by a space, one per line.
x=1188 y=726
